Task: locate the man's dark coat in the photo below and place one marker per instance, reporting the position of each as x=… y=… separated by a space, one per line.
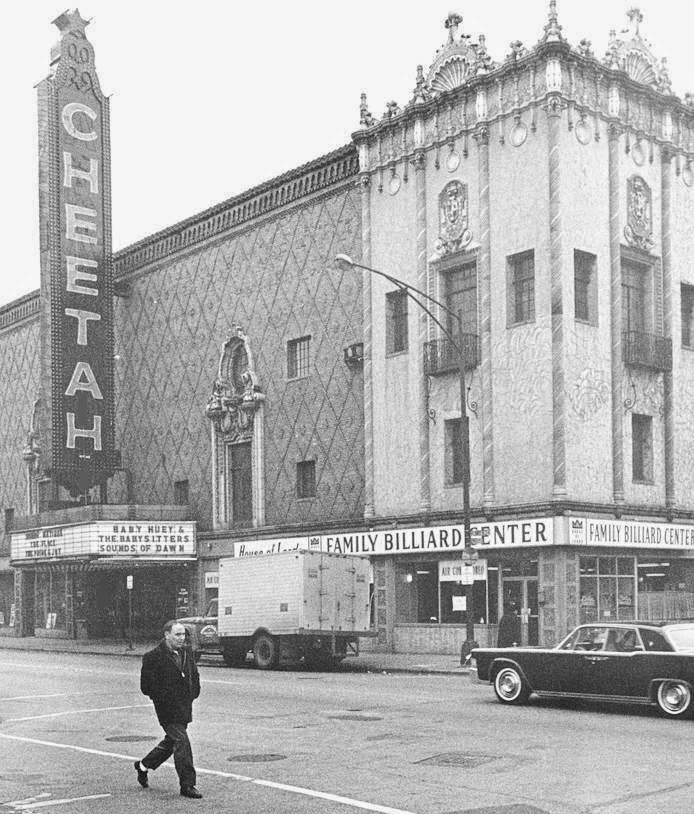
x=172 y=690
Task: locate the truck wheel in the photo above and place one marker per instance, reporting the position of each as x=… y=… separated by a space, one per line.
x=265 y=652
x=234 y=655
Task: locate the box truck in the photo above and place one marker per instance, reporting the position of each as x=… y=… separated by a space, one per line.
x=290 y=606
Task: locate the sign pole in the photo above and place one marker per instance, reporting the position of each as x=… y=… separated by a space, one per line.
x=129 y=585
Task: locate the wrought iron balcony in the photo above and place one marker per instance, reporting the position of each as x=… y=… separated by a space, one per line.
x=647 y=350
x=442 y=356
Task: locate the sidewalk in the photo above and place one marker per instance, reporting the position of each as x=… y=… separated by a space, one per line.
x=426 y=663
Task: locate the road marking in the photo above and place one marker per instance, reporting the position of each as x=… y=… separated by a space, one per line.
x=51 y=695
x=72 y=712
x=335 y=798
x=27 y=805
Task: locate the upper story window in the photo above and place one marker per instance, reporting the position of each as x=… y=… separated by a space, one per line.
x=298 y=357
x=181 y=493
x=585 y=287
x=642 y=448
x=306 y=479
x=687 y=305
x=396 y=321
x=521 y=288
x=453 y=454
x=460 y=291
x=635 y=297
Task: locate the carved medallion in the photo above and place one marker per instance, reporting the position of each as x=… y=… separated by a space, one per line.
x=453 y=217
x=639 y=226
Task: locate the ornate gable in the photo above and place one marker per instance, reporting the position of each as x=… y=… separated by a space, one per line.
x=634 y=56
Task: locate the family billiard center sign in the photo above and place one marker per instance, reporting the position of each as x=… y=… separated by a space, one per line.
x=76 y=268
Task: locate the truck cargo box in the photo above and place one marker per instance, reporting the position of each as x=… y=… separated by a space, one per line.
x=294 y=593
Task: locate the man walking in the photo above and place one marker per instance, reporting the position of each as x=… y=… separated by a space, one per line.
x=170 y=678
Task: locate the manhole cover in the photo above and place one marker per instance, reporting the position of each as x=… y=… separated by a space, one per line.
x=131 y=738
x=358 y=716
x=462 y=759
x=266 y=758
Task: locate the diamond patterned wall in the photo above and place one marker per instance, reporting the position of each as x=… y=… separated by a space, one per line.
x=278 y=282
x=19 y=374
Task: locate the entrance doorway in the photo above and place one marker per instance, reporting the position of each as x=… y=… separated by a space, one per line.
x=520 y=594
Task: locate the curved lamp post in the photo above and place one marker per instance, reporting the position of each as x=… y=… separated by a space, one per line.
x=469 y=555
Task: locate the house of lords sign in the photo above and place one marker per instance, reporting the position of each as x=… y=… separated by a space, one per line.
x=76 y=274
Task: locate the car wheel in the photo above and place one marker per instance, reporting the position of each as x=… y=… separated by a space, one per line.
x=510 y=686
x=265 y=652
x=674 y=699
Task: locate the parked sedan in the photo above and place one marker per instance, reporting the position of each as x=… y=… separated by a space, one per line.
x=635 y=663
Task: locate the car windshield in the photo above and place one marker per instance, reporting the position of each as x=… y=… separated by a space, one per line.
x=682 y=637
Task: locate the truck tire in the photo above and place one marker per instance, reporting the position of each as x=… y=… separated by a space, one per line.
x=265 y=651
x=234 y=655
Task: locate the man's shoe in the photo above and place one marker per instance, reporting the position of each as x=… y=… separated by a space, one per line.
x=190 y=791
x=141 y=776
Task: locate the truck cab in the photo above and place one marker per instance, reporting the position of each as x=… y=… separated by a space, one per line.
x=202 y=631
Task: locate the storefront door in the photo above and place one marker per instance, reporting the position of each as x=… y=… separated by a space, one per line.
x=521 y=593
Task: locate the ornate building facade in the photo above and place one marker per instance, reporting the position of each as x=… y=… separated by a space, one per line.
x=545 y=202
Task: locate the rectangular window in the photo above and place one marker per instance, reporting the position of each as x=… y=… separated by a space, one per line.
x=585 y=287
x=521 y=288
x=607 y=589
x=298 y=357
x=687 y=305
x=634 y=297
x=453 y=454
x=460 y=291
x=306 y=479
x=181 y=492
x=9 y=519
x=642 y=448
x=240 y=484
x=396 y=321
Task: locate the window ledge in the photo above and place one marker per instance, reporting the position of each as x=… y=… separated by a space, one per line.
x=393 y=353
x=643 y=482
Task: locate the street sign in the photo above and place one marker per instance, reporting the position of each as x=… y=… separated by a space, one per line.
x=129 y=582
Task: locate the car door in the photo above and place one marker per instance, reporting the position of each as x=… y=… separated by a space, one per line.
x=583 y=673
x=609 y=671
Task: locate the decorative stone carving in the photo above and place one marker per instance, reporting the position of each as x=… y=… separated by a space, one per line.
x=454 y=233
x=639 y=228
x=635 y=57
x=458 y=60
x=421 y=92
x=235 y=394
x=585 y=48
x=365 y=117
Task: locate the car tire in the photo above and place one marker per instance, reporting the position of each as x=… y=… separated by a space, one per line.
x=510 y=686
x=674 y=699
x=265 y=652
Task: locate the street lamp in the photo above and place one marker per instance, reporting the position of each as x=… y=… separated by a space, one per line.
x=468 y=552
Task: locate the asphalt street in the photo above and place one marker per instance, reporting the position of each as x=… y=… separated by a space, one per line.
x=296 y=741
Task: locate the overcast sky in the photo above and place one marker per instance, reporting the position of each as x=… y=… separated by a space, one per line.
x=212 y=97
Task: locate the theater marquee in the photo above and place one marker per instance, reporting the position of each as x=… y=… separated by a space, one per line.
x=76 y=274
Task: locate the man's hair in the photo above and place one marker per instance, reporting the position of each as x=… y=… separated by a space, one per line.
x=168 y=625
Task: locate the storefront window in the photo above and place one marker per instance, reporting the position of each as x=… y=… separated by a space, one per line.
x=50 y=600
x=607 y=589
x=420 y=597
x=665 y=588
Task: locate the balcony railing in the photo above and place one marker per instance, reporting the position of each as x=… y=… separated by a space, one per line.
x=441 y=355
x=647 y=350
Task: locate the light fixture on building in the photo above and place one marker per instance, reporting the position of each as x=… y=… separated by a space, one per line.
x=354 y=354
